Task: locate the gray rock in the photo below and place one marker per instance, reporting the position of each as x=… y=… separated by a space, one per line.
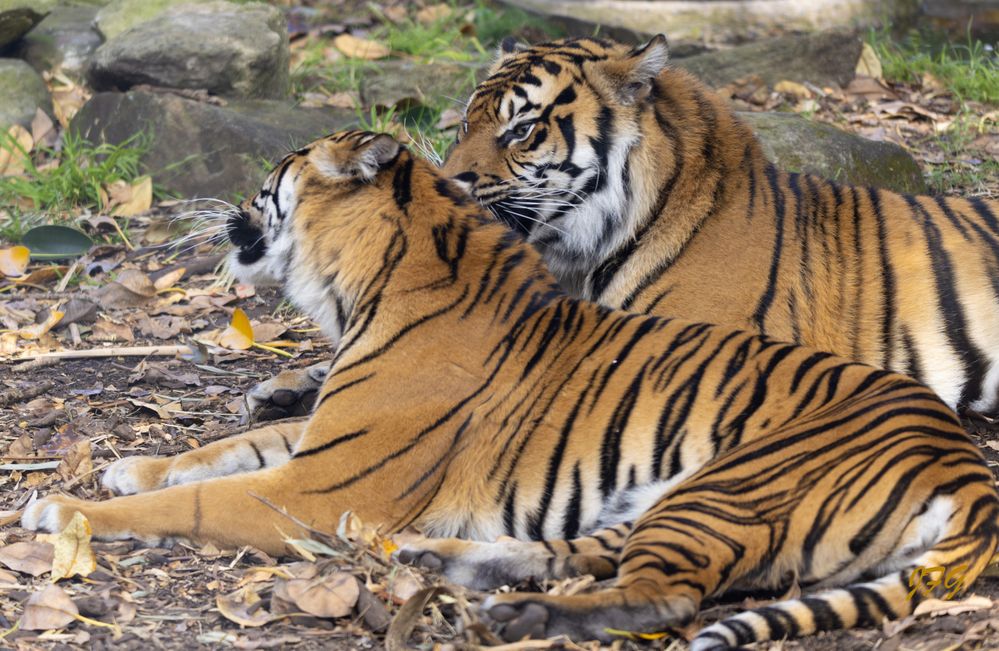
x=726 y=20
x=65 y=38
x=118 y=16
x=227 y=49
x=24 y=92
x=17 y=17
x=404 y=83
x=199 y=149
x=824 y=58
x=795 y=144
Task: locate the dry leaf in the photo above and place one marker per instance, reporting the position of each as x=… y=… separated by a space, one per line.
x=869 y=65
x=73 y=555
x=793 y=88
x=48 y=609
x=9 y=517
x=404 y=587
x=244 y=607
x=77 y=462
x=138 y=201
x=107 y=330
x=325 y=596
x=169 y=279
x=37 y=330
x=31 y=557
x=239 y=334
x=14 y=260
x=15 y=151
x=936 y=607
x=433 y=13
x=359 y=48
x=42 y=128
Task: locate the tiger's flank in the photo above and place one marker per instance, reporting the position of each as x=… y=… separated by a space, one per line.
x=471 y=398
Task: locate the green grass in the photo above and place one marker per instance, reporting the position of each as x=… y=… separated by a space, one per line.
x=53 y=192
x=470 y=34
x=969 y=70
x=956 y=174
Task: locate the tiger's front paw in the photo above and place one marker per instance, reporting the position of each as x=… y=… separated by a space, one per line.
x=51 y=514
x=286 y=395
x=136 y=474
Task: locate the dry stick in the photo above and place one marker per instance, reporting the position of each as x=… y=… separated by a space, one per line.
x=64 y=283
x=18 y=395
x=34 y=364
x=114 y=351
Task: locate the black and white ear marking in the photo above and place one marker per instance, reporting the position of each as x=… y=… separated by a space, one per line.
x=376 y=153
x=509 y=45
x=647 y=62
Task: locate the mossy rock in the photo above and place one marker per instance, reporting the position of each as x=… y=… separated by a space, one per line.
x=24 y=92
x=17 y=17
x=795 y=144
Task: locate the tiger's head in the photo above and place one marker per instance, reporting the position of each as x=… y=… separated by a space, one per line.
x=316 y=203
x=546 y=137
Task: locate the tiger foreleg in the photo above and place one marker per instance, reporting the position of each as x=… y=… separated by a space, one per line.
x=263 y=447
x=288 y=394
x=487 y=565
x=228 y=512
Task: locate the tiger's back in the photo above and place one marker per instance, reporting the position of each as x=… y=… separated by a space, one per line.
x=644 y=192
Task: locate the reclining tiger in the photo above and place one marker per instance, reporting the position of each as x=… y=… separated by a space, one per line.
x=471 y=397
x=644 y=192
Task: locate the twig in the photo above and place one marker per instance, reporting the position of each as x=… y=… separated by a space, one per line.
x=64 y=283
x=18 y=395
x=115 y=351
x=32 y=365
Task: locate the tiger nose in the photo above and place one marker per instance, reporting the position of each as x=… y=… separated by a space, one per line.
x=466 y=180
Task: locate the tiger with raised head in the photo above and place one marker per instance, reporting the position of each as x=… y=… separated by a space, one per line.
x=644 y=192
x=471 y=398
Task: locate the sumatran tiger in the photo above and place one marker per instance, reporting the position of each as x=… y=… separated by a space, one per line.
x=472 y=398
x=644 y=192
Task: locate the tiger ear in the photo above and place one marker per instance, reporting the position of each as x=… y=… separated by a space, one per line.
x=633 y=74
x=362 y=162
x=508 y=47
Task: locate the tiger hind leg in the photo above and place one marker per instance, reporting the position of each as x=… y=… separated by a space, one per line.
x=488 y=565
x=263 y=447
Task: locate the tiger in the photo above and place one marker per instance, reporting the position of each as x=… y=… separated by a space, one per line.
x=470 y=397
x=645 y=192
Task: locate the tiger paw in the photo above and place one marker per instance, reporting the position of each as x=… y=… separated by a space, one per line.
x=476 y=565
x=138 y=474
x=288 y=394
x=518 y=619
x=51 y=514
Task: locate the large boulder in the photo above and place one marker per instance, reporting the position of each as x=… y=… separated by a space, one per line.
x=24 y=92
x=795 y=144
x=119 y=16
x=227 y=49
x=726 y=20
x=200 y=149
x=404 y=83
x=826 y=58
x=66 y=38
x=17 y=17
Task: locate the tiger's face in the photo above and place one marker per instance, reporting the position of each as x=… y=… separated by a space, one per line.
x=545 y=138
x=310 y=206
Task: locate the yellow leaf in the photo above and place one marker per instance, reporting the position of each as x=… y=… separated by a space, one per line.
x=631 y=635
x=359 y=48
x=73 y=555
x=239 y=334
x=169 y=279
x=139 y=201
x=869 y=64
x=14 y=260
x=37 y=330
x=14 y=151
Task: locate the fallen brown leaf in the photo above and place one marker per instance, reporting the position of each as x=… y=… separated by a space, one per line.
x=359 y=48
x=48 y=609
x=245 y=607
x=31 y=557
x=72 y=553
x=324 y=596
